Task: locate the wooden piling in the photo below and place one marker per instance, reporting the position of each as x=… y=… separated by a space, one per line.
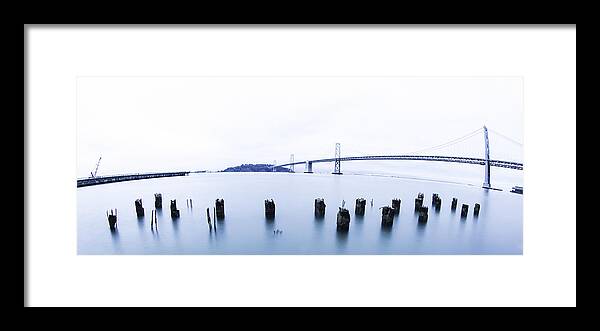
x=269 y=209
x=112 y=219
x=423 y=214
x=219 y=209
x=476 y=209
x=387 y=216
x=454 y=203
x=208 y=217
x=343 y=219
x=157 y=200
x=174 y=210
x=464 y=211
x=396 y=206
x=139 y=209
x=359 y=207
x=320 y=207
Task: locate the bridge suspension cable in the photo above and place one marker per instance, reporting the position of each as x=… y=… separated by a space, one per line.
x=506 y=137
x=449 y=143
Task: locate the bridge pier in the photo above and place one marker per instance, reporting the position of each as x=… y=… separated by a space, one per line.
x=308 y=168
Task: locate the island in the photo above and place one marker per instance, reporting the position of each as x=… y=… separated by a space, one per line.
x=256 y=168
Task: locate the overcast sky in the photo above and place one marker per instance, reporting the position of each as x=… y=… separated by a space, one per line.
x=210 y=123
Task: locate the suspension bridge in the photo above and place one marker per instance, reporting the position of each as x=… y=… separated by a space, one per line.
x=485 y=160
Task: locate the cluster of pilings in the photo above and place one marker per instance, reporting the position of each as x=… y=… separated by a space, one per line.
x=219 y=211
x=343 y=216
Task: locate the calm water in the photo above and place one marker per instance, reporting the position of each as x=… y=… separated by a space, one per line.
x=497 y=230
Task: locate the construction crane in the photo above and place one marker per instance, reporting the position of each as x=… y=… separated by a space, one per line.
x=96 y=171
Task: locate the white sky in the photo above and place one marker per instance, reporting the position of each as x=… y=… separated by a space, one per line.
x=141 y=124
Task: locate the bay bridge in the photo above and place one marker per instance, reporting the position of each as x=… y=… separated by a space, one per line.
x=485 y=161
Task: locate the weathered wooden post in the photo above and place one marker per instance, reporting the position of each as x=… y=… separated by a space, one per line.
x=208 y=218
x=215 y=216
x=419 y=201
x=454 y=203
x=423 y=214
x=343 y=219
x=174 y=210
x=112 y=219
x=436 y=201
x=476 y=209
x=157 y=200
x=139 y=210
x=270 y=209
x=464 y=211
x=387 y=216
x=320 y=207
x=396 y=206
x=359 y=208
x=219 y=209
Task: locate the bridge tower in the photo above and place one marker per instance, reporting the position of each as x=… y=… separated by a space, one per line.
x=486 y=180
x=292 y=162
x=338 y=153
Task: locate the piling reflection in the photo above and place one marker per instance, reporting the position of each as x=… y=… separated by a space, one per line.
x=341 y=238
x=114 y=233
x=386 y=231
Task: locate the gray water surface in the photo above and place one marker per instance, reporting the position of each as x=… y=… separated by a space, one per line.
x=497 y=230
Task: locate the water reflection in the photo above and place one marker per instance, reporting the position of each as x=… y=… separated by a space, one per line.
x=140 y=222
x=386 y=231
x=497 y=229
x=341 y=238
x=114 y=233
x=220 y=226
x=421 y=226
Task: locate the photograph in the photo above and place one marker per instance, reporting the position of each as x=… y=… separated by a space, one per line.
x=299 y=165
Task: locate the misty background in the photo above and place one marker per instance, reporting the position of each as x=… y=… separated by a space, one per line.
x=152 y=124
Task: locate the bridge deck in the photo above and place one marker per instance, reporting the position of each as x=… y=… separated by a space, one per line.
x=121 y=178
x=456 y=159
